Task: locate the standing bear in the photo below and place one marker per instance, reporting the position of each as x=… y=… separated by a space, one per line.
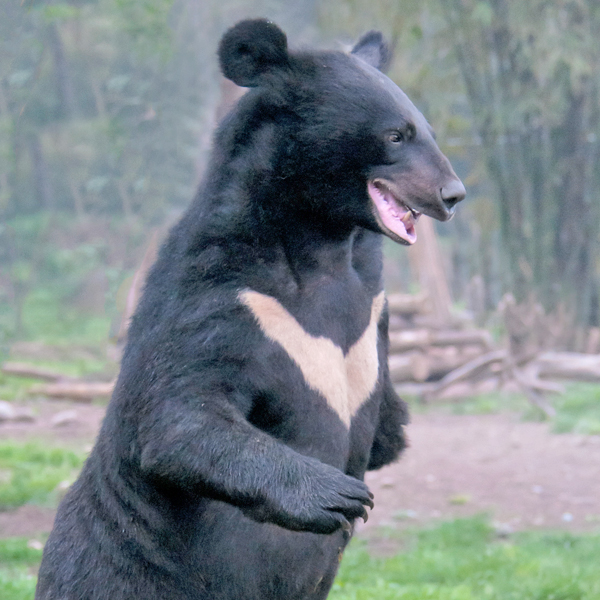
x=254 y=390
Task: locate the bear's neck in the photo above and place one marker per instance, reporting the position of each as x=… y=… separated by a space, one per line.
x=304 y=259
x=282 y=245
x=311 y=252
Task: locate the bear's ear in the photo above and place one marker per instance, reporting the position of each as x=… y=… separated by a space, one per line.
x=373 y=50
x=251 y=49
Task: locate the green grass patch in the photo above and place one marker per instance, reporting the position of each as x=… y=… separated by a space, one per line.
x=47 y=319
x=17 y=583
x=482 y=404
x=463 y=560
x=31 y=473
x=494 y=402
x=18 y=562
x=578 y=410
x=15 y=388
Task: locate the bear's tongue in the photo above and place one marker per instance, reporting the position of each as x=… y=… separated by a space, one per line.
x=398 y=219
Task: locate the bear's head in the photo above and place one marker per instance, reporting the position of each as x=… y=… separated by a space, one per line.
x=337 y=139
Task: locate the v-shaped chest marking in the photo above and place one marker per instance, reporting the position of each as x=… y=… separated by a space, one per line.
x=345 y=381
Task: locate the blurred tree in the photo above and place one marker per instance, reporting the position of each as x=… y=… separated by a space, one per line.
x=531 y=75
x=106 y=114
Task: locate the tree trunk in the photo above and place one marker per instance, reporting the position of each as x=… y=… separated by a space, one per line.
x=41 y=176
x=64 y=83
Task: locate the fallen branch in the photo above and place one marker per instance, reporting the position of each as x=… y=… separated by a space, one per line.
x=533 y=392
x=25 y=370
x=469 y=369
x=412 y=339
x=568 y=365
x=78 y=391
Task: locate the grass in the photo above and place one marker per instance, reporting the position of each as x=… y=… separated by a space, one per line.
x=15 y=388
x=31 y=473
x=18 y=563
x=577 y=410
x=46 y=319
x=463 y=560
x=458 y=560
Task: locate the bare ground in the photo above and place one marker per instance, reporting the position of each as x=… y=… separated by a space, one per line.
x=521 y=474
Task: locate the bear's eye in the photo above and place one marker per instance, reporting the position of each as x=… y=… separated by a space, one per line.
x=396 y=137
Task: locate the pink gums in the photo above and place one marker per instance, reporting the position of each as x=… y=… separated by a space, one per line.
x=396 y=218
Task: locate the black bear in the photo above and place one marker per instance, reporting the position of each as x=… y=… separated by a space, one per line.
x=254 y=391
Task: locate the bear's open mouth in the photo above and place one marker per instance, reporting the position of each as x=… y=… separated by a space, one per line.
x=396 y=219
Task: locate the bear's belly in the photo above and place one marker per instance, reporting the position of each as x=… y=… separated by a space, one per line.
x=264 y=560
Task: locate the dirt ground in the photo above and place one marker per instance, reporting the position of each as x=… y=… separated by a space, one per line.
x=519 y=473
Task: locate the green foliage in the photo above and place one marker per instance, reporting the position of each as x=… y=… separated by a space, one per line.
x=146 y=21
x=48 y=264
x=59 y=11
x=31 y=473
x=462 y=560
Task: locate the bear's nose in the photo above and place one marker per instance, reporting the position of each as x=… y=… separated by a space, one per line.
x=453 y=192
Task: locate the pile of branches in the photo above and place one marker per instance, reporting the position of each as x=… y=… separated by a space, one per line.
x=431 y=359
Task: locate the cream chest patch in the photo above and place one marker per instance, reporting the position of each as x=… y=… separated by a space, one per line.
x=345 y=381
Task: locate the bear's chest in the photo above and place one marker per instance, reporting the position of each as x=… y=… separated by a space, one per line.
x=344 y=378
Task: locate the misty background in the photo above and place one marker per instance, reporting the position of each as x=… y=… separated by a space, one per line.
x=107 y=109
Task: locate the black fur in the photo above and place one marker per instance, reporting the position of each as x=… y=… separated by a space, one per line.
x=218 y=473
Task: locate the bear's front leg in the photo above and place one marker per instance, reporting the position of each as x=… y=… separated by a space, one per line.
x=206 y=446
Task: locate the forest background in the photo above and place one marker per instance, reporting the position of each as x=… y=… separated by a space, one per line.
x=107 y=109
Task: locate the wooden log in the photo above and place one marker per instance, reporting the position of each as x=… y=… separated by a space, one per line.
x=78 y=391
x=18 y=369
x=411 y=339
x=475 y=337
x=568 y=365
x=412 y=366
x=467 y=370
x=408 y=304
x=430 y=366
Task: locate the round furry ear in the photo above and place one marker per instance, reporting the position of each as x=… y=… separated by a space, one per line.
x=373 y=50
x=250 y=49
